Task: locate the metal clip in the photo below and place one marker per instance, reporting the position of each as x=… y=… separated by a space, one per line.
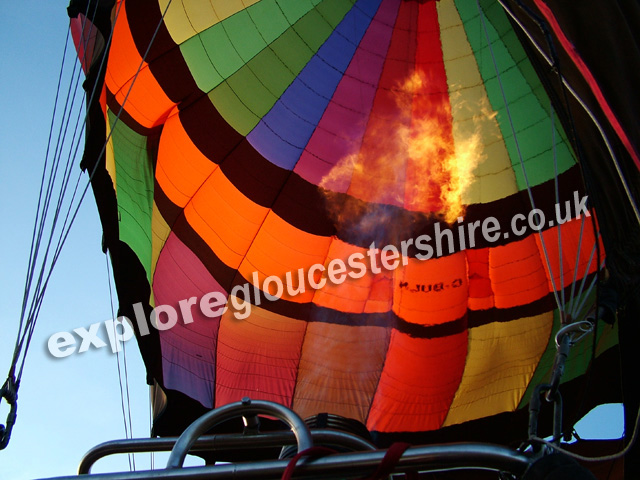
x=9 y=392
x=534 y=411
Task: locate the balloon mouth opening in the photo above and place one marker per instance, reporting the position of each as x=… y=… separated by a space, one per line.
x=332 y=422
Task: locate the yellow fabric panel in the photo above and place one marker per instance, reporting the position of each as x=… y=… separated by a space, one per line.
x=186 y=18
x=472 y=115
x=146 y=101
x=110 y=161
x=224 y=218
x=159 y=233
x=339 y=369
x=181 y=168
x=501 y=360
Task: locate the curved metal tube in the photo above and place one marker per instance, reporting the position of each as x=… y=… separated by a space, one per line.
x=245 y=407
x=583 y=326
x=219 y=442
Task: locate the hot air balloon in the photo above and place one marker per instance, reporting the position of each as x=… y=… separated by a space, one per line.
x=382 y=210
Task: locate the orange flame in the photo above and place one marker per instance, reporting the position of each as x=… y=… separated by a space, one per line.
x=408 y=156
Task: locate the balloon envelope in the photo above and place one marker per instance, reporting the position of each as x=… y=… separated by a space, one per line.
x=367 y=208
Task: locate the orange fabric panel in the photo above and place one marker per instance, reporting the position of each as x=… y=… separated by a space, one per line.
x=418 y=383
x=563 y=264
x=517 y=274
x=225 y=219
x=181 y=168
x=480 y=293
x=257 y=357
x=146 y=103
x=279 y=248
x=339 y=369
x=381 y=294
x=370 y=293
x=433 y=291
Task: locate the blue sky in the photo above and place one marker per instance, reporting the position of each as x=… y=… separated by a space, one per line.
x=66 y=405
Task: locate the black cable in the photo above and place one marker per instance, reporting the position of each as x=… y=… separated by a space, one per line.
x=128 y=431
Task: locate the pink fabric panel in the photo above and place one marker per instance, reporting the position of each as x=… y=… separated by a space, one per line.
x=343 y=124
x=188 y=349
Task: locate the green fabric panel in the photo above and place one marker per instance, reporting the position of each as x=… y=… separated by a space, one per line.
x=294 y=10
x=221 y=50
x=581 y=353
x=211 y=57
x=528 y=104
x=258 y=84
x=230 y=100
x=134 y=189
x=243 y=34
x=543 y=370
x=316 y=26
x=276 y=64
x=272 y=19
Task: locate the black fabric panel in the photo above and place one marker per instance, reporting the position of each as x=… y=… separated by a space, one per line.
x=213 y=136
x=129 y=274
x=124 y=117
x=164 y=57
x=303 y=205
x=629 y=334
x=612 y=55
x=257 y=178
x=169 y=210
x=606 y=35
x=132 y=287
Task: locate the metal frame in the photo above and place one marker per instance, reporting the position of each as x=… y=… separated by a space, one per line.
x=471 y=456
x=355 y=464
x=220 y=442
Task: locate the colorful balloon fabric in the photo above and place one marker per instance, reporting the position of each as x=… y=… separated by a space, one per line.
x=258 y=147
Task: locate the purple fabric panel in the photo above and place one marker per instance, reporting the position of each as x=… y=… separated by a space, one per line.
x=188 y=349
x=340 y=131
x=284 y=131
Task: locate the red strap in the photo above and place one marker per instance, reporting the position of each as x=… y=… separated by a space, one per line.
x=590 y=79
x=309 y=452
x=390 y=461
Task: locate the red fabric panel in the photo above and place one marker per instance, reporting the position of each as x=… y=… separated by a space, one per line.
x=418 y=382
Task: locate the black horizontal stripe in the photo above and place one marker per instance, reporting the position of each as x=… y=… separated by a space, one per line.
x=124 y=117
x=228 y=277
x=169 y=210
x=164 y=57
x=306 y=208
